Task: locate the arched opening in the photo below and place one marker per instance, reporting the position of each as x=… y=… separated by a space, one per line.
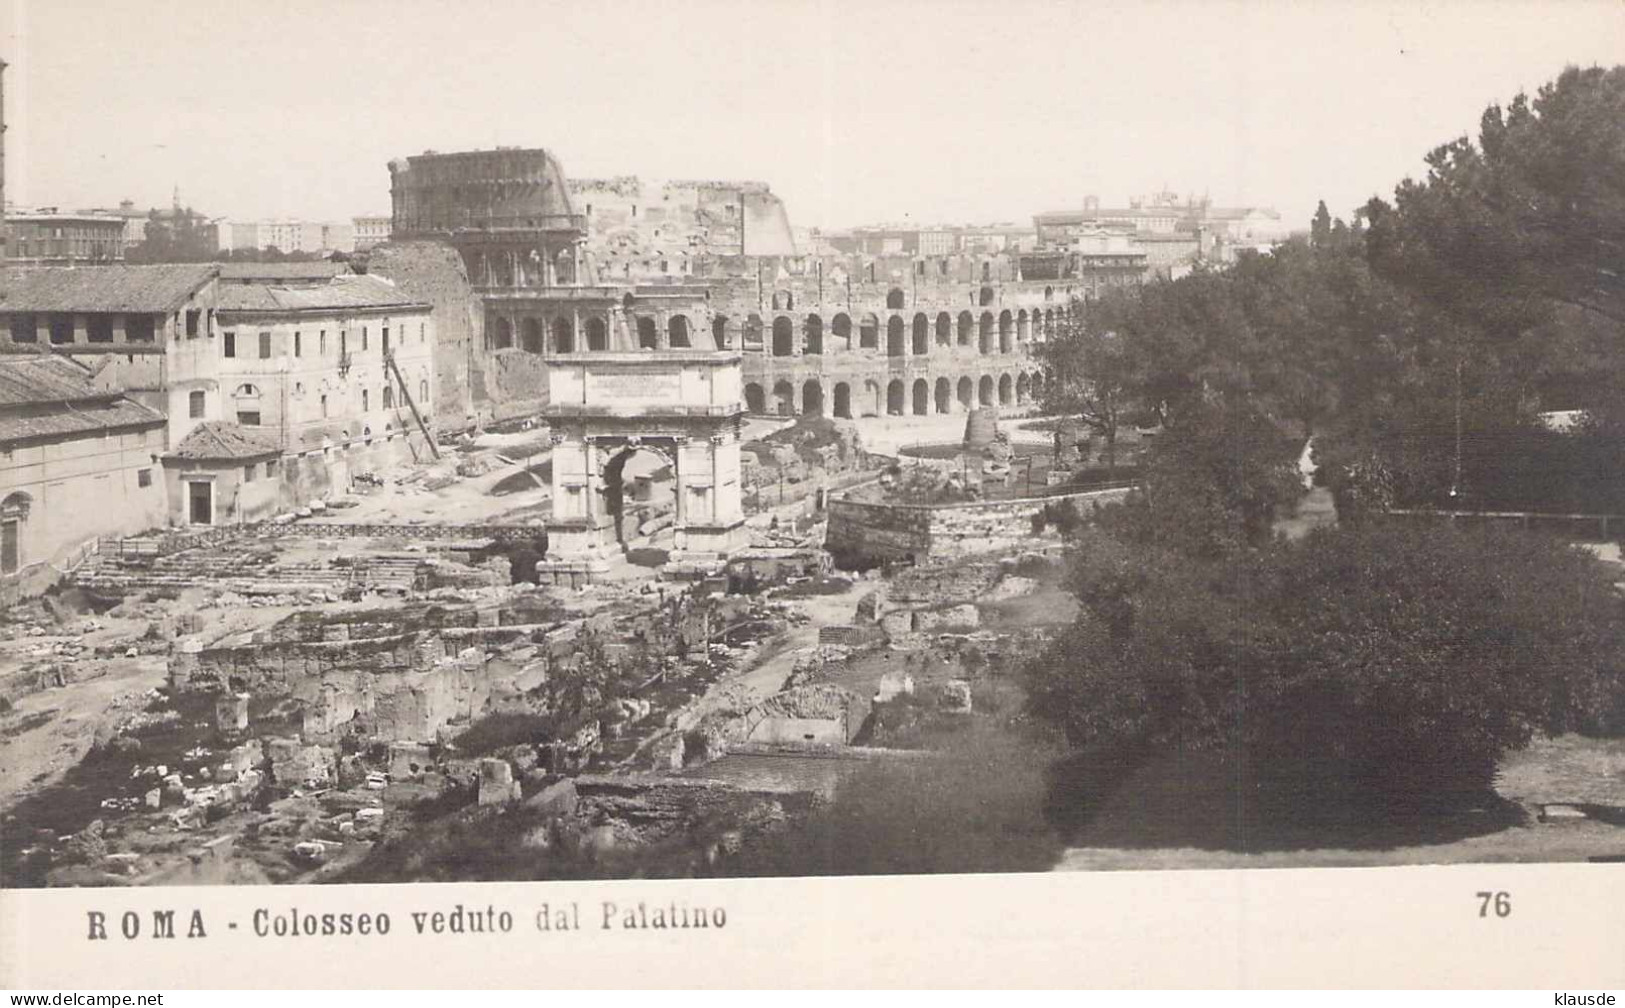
x=984 y=297
x=1005 y=331
x=922 y=397
x=896 y=344
x=814 y=336
x=966 y=324
x=755 y=399
x=564 y=268
x=894 y=299
x=597 y=334
x=1049 y=323
x=753 y=330
x=984 y=333
x=1023 y=328
x=501 y=334
x=922 y=335
x=719 y=331
x=783 y=300
x=869 y=332
x=564 y=336
x=640 y=491
x=648 y=335
x=783 y=337
x=1024 y=388
x=1038 y=385
x=841 y=327
x=945 y=329
x=677 y=331
x=945 y=396
x=1006 y=394
x=894 y=397
x=784 y=399
x=1049 y=292
x=530 y=339
x=984 y=390
x=871 y=398
x=812 y=399
x=965 y=392
x=843 y=400
x=13 y=517
x=389 y=398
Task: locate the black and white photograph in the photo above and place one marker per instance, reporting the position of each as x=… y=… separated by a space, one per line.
x=524 y=442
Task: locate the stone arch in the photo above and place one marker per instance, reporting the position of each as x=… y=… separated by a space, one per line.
x=597 y=334
x=755 y=399
x=812 y=398
x=813 y=335
x=1049 y=293
x=922 y=335
x=985 y=391
x=896 y=342
x=1006 y=390
x=530 y=335
x=753 y=329
x=967 y=322
x=896 y=299
x=1049 y=323
x=841 y=328
x=872 y=394
x=564 y=267
x=648 y=334
x=613 y=481
x=784 y=399
x=1024 y=387
x=1005 y=330
x=945 y=329
x=895 y=404
x=13 y=517
x=869 y=332
x=945 y=396
x=922 y=397
x=984 y=333
x=783 y=300
x=564 y=335
x=501 y=333
x=966 y=393
x=843 y=400
x=783 y=337
x=984 y=296
x=677 y=330
x=1024 y=330
x=719 y=331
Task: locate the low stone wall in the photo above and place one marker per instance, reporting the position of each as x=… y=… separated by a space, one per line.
x=863 y=533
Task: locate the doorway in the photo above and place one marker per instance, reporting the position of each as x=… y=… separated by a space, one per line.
x=200 y=495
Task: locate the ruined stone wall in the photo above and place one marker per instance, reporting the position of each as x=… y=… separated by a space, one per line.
x=434 y=273
x=643 y=230
x=517 y=383
x=861 y=532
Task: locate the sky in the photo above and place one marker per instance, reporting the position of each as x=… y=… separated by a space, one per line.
x=853 y=111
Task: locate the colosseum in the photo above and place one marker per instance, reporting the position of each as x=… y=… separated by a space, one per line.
x=558 y=265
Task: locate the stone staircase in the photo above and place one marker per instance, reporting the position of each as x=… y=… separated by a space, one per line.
x=246 y=574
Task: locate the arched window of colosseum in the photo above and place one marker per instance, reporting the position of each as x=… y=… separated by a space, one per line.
x=843 y=400
x=530 y=335
x=944 y=395
x=1005 y=394
x=987 y=274
x=1005 y=330
x=812 y=399
x=677 y=330
x=869 y=332
x=755 y=401
x=784 y=399
x=894 y=298
x=814 y=335
x=501 y=334
x=753 y=330
x=564 y=267
x=922 y=334
x=784 y=301
x=783 y=337
x=1049 y=293
x=922 y=397
x=1023 y=327
x=894 y=397
x=564 y=335
x=841 y=327
x=966 y=324
x=719 y=331
x=984 y=390
x=648 y=335
x=985 y=295
x=945 y=329
x=964 y=391
x=984 y=334
x=871 y=404
x=1024 y=388
x=597 y=334
x=896 y=343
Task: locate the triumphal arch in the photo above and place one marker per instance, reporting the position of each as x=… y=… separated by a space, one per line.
x=684 y=404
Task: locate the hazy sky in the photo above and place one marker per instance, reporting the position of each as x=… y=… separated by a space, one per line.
x=852 y=110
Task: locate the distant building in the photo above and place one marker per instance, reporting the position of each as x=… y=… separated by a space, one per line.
x=1174 y=233
x=76 y=462
x=370 y=231
x=51 y=238
x=316 y=237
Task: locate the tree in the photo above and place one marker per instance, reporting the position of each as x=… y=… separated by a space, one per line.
x=1320 y=228
x=175 y=237
x=1090 y=372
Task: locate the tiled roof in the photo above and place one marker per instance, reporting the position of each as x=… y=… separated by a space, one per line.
x=217 y=440
x=102 y=288
x=80 y=419
x=321 y=269
x=44 y=378
x=343 y=292
x=48 y=396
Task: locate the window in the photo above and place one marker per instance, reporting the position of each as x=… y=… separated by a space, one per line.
x=143 y=477
x=344 y=342
x=296 y=347
x=247 y=390
x=192 y=316
x=324 y=406
x=363 y=339
x=270 y=468
x=420 y=332
x=389 y=397
x=364 y=401
x=248 y=473
x=139 y=328
x=321 y=342
x=228 y=347
x=248 y=418
x=62 y=329
x=194 y=405
x=100 y=328
x=265 y=345
x=24 y=329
